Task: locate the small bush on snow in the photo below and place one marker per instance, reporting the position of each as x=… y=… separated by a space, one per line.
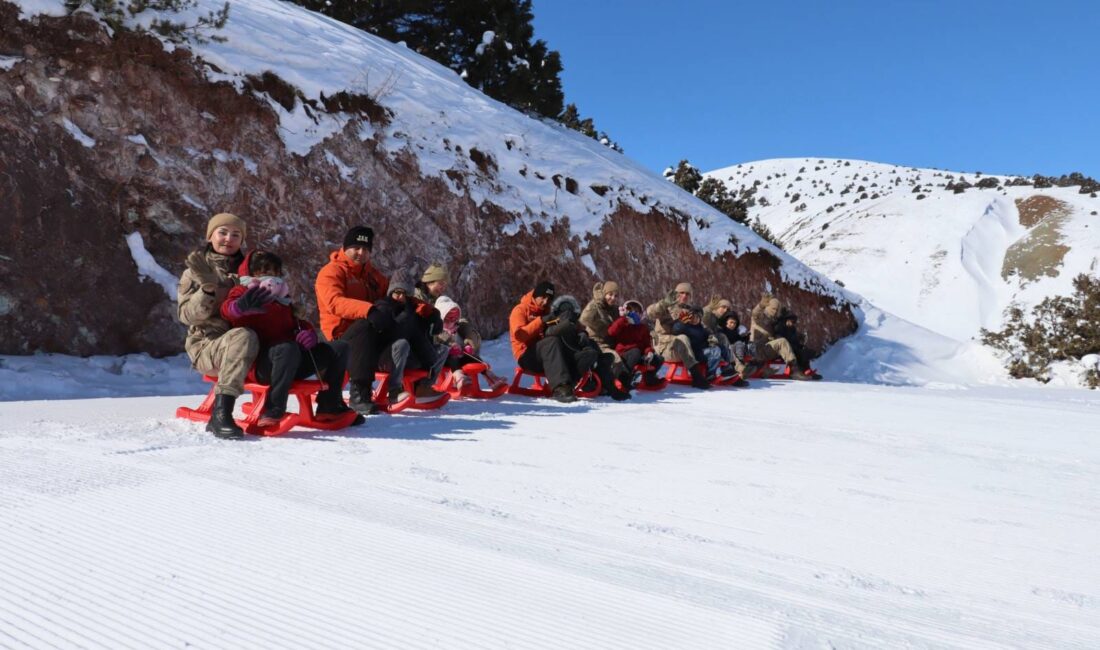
x=1060 y=328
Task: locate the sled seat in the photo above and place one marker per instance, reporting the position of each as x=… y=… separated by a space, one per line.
x=677 y=373
x=540 y=388
x=412 y=375
x=303 y=390
x=474 y=373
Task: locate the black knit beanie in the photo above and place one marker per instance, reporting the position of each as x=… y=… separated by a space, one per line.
x=360 y=236
x=544 y=288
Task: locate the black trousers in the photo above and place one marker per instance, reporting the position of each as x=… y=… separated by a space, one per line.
x=279 y=365
x=367 y=338
x=562 y=365
x=634 y=356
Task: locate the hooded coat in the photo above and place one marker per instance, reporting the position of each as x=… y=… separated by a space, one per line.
x=200 y=311
x=765 y=317
x=277 y=324
x=597 y=317
x=345 y=291
x=525 y=324
x=664 y=314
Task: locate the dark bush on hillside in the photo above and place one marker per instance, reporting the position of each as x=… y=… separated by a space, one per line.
x=987 y=182
x=1060 y=328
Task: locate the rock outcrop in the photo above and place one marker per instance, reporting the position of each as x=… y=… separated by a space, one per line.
x=104 y=136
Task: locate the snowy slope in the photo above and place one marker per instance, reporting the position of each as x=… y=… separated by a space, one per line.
x=782 y=516
x=439 y=118
x=932 y=257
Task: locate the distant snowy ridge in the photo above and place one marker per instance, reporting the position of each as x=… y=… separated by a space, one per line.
x=950 y=262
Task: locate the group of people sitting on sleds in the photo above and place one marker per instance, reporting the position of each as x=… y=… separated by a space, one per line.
x=241 y=320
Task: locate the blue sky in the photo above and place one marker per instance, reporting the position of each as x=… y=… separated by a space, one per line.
x=999 y=87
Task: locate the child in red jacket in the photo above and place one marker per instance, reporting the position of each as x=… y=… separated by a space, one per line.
x=289 y=347
x=630 y=335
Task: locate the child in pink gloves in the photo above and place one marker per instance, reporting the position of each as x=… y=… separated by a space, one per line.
x=289 y=346
x=464 y=344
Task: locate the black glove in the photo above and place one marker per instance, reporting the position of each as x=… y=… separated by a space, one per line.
x=380 y=316
x=649 y=358
x=252 y=301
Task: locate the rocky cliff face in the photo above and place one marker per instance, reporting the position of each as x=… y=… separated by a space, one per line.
x=104 y=136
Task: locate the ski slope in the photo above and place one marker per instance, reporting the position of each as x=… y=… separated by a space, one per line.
x=781 y=516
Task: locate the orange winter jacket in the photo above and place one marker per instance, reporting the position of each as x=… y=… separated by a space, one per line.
x=345 y=291
x=524 y=325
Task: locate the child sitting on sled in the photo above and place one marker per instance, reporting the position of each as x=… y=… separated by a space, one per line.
x=629 y=333
x=289 y=346
x=703 y=345
x=464 y=344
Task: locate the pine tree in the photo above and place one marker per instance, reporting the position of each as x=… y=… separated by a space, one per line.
x=115 y=14
x=687 y=176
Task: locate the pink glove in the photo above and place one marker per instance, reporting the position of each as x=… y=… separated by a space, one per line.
x=307 y=339
x=455 y=351
x=469 y=349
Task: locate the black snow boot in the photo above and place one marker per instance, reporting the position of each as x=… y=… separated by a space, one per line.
x=650 y=378
x=359 y=399
x=221 y=422
x=564 y=394
x=699 y=376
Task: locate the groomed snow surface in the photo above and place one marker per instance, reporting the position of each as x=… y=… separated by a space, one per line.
x=808 y=515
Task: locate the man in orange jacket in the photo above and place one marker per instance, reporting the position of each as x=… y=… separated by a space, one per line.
x=537 y=346
x=349 y=289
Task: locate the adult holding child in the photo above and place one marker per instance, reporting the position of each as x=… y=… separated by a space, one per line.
x=665 y=314
x=214 y=346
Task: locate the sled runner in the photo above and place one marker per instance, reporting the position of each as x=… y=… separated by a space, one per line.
x=303 y=390
x=540 y=388
x=775 y=369
x=474 y=373
x=412 y=376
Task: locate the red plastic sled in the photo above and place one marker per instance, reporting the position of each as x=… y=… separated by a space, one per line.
x=302 y=390
x=677 y=373
x=411 y=377
x=539 y=387
x=474 y=372
x=778 y=370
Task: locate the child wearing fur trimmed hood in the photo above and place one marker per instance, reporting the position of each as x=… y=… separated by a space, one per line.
x=629 y=333
x=289 y=346
x=463 y=346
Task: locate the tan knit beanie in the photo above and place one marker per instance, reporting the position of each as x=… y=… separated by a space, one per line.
x=434 y=273
x=610 y=286
x=684 y=287
x=225 y=219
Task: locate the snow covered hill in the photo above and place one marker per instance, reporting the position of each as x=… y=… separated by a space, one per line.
x=950 y=262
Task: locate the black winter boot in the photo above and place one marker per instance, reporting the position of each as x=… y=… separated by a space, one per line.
x=564 y=394
x=359 y=399
x=699 y=376
x=221 y=422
